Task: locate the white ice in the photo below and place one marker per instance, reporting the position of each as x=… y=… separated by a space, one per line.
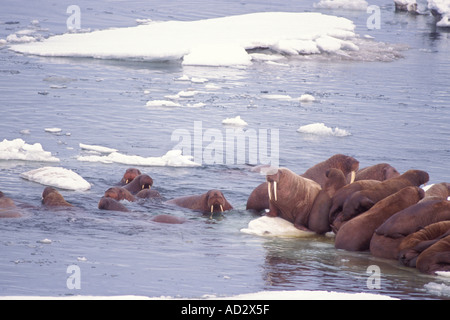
x=441 y=7
x=18 y=149
x=342 y=4
x=320 y=129
x=173 y=158
x=57 y=177
x=219 y=41
x=236 y=121
x=275 y=227
x=95 y=148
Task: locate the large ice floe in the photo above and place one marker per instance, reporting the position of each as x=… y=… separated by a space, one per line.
x=441 y=9
x=225 y=41
x=57 y=177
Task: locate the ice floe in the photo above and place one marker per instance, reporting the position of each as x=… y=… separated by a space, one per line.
x=320 y=129
x=173 y=158
x=57 y=177
x=440 y=8
x=18 y=149
x=342 y=4
x=274 y=227
x=236 y=121
x=204 y=42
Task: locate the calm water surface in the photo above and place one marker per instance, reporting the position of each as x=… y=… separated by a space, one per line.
x=397 y=111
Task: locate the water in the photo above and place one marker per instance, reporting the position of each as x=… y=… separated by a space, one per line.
x=396 y=112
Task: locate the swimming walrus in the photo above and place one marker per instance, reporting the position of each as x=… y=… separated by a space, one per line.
x=52 y=198
x=209 y=202
x=8 y=208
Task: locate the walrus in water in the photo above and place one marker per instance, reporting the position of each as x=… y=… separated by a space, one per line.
x=139 y=183
x=209 y=202
x=8 y=208
x=435 y=258
x=291 y=197
x=107 y=203
x=363 y=200
x=259 y=201
x=129 y=176
x=355 y=235
x=414 y=244
x=52 y=198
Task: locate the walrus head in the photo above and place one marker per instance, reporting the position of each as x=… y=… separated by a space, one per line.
x=129 y=175
x=145 y=181
x=417 y=177
x=119 y=194
x=272 y=179
x=215 y=200
x=51 y=197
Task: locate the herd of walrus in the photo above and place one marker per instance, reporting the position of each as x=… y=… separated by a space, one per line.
x=374 y=209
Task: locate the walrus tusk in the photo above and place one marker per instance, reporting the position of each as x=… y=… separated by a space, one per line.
x=353 y=176
x=268 y=190
x=221 y=208
x=275 y=190
x=126 y=181
x=212 y=208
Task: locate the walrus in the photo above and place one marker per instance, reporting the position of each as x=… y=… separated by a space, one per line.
x=363 y=200
x=139 y=183
x=119 y=194
x=319 y=217
x=52 y=198
x=355 y=235
x=348 y=165
x=8 y=208
x=341 y=195
x=438 y=191
x=291 y=197
x=380 y=172
x=129 y=176
x=388 y=236
x=258 y=200
x=107 y=203
x=167 y=218
x=209 y=202
x=412 y=245
x=435 y=258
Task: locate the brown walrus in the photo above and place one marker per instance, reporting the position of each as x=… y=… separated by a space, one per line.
x=319 y=221
x=139 y=183
x=363 y=200
x=52 y=198
x=380 y=172
x=119 y=194
x=129 y=176
x=355 y=235
x=107 y=203
x=388 y=236
x=435 y=258
x=348 y=165
x=438 y=191
x=341 y=195
x=413 y=245
x=258 y=200
x=8 y=208
x=209 y=202
x=291 y=197
x=167 y=218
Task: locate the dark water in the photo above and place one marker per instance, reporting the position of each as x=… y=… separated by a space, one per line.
x=397 y=111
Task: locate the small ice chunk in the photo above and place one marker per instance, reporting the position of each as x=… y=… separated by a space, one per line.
x=237 y=121
x=307 y=98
